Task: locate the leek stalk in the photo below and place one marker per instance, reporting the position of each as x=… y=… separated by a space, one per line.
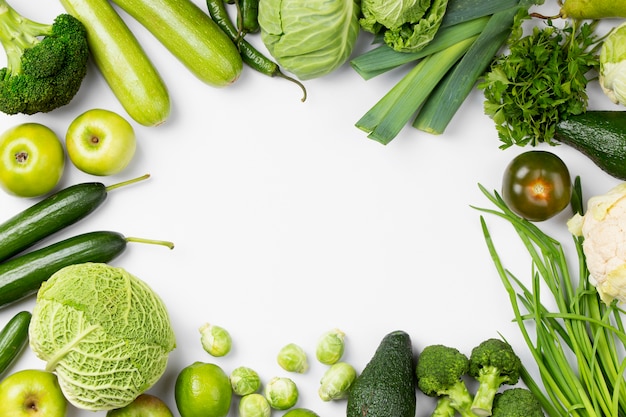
x=383 y=58
x=448 y=96
x=391 y=113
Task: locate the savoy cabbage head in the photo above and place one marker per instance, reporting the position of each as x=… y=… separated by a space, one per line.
x=406 y=25
x=104 y=332
x=309 y=38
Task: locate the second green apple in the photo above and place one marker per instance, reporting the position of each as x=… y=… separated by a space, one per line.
x=100 y=142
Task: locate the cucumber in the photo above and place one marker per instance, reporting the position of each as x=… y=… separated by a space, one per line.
x=23 y=275
x=600 y=135
x=191 y=36
x=128 y=71
x=52 y=214
x=13 y=339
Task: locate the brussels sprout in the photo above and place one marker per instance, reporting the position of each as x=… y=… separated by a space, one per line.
x=309 y=38
x=254 y=405
x=281 y=393
x=244 y=380
x=612 y=74
x=336 y=381
x=293 y=358
x=330 y=347
x=215 y=339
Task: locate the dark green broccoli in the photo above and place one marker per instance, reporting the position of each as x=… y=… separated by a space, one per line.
x=439 y=373
x=46 y=63
x=493 y=363
x=516 y=402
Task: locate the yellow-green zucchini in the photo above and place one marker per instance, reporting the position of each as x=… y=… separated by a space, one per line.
x=191 y=36
x=122 y=61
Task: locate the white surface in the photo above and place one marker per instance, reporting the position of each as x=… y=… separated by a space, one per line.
x=288 y=221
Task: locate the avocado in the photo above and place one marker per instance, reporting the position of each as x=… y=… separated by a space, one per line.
x=387 y=385
x=600 y=135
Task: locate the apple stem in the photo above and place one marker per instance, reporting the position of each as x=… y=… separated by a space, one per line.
x=128 y=182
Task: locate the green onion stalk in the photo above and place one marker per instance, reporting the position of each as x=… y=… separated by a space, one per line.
x=578 y=345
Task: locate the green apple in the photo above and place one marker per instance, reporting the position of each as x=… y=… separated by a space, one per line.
x=32 y=160
x=32 y=393
x=100 y=142
x=145 y=405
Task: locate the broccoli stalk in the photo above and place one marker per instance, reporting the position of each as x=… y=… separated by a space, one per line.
x=439 y=374
x=492 y=363
x=516 y=402
x=443 y=408
x=46 y=63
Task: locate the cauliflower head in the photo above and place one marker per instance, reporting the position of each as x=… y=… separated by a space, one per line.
x=603 y=228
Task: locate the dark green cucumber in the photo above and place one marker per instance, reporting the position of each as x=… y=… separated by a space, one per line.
x=23 y=275
x=600 y=135
x=52 y=214
x=13 y=339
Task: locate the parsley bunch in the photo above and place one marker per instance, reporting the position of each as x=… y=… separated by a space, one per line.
x=540 y=81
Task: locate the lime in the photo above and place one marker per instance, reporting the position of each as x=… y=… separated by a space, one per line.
x=300 y=412
x=203 y=390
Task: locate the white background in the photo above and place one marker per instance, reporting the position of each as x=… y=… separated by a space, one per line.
x=289 y=222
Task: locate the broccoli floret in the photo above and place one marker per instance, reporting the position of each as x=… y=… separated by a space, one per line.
x=493 y=363
x=516 y=402
x=46 y=63
x=439 y=373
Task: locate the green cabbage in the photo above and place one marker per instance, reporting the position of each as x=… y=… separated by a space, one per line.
x=104 y=332
x=406 y=25
x=309 y=38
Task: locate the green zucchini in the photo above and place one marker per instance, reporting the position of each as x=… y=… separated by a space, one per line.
x=128 y=71
x=13 y=339
x=23 y=275
x=600 y=135
x=52 y=214
x=191 y=36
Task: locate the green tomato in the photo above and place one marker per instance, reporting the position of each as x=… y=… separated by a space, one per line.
x=32 y=160
x=537 y=185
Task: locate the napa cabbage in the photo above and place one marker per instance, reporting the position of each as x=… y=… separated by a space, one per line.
x=309 y=38
x=104 y=332
x=405 y=25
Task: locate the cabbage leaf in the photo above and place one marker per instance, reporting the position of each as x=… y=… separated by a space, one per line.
x=104 y=332
x=406 y=25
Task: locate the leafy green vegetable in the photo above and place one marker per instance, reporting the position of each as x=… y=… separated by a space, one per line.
x=406 y=25
x=576 y=340
x=309 y=39
x=612 y=75
x=104 y=332
x=540 y=81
